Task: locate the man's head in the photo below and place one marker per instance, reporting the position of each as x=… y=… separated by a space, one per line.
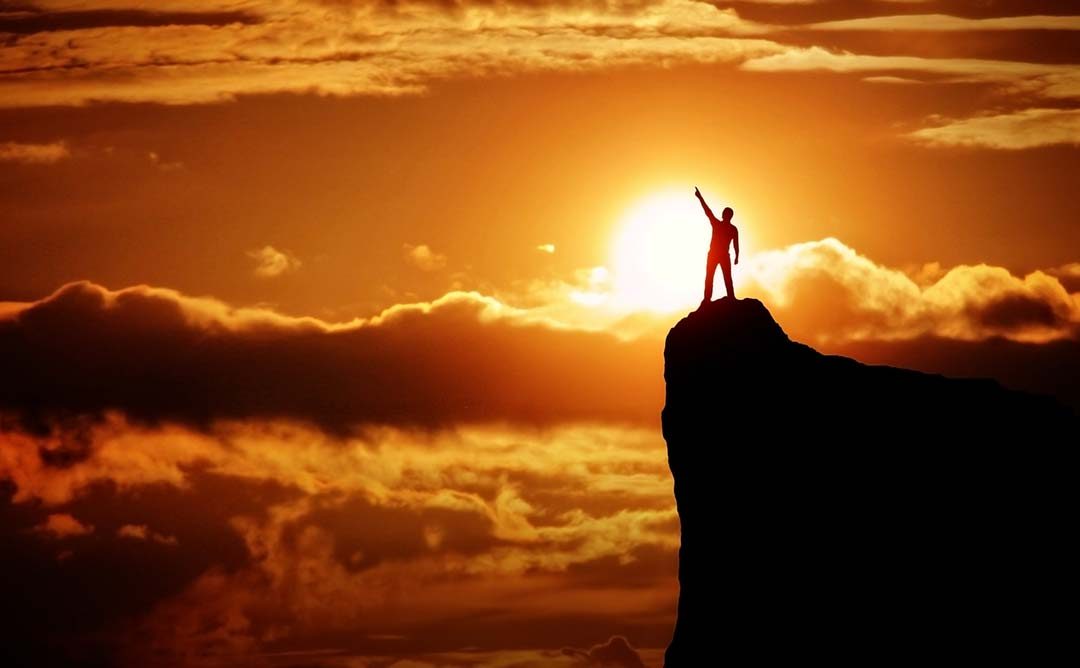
x=728 y=214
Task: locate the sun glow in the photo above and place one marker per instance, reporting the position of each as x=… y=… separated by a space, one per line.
x=659 y=254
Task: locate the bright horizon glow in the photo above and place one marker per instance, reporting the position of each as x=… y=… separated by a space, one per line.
x=659 y=253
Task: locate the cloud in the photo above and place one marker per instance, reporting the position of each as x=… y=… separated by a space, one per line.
x=165 y=165
x=54 y=16
x=825 y=291
x=271 y=263
x=946 y=23
x=423 y=258
x=34 y=154
x=1047 y=79
x=193 y=53
x=157 y=355
x=885 y=79
x=490 y=533
x=142 y=532
x=1030 y=128
x=62 y=525
x=308 y=46
x=1069 y=275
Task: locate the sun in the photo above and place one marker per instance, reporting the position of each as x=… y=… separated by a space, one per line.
x=659 y=253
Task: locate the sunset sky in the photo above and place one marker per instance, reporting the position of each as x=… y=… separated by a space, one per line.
x=331 y=331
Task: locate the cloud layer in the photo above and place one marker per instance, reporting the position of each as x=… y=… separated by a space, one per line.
x=157 y=355
x=275 y=538
x=186 y=52
x=349 y=48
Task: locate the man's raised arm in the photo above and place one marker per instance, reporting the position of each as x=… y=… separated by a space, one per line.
x=708 y=211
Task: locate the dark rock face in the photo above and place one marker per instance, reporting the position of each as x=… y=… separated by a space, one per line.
x=857 y=514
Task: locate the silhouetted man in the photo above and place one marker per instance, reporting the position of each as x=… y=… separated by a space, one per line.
x=723 y=234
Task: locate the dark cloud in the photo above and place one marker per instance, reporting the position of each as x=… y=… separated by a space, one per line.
x=1069 y=276
x=367 y=534
x=157 y=356
x=1017 y=311
x=289 y=547
x=1043 y=368
x=32 y=21
x=832 y=10
x=68 y=601
x=792 y=23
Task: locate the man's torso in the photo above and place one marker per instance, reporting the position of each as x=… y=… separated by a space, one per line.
x=722 y=234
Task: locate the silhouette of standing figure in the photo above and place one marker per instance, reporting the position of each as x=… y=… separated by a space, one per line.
x=723 y=234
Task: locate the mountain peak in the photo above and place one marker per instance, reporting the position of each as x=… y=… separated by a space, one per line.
x=735 y=322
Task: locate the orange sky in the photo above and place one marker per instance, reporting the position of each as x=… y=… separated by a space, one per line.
x=349 y=352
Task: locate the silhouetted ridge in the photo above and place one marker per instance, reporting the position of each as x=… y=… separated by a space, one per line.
x=858 y=514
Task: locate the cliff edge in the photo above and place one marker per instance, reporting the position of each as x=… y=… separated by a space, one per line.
x=859 y=514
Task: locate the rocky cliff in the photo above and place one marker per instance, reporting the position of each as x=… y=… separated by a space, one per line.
x=836 y=511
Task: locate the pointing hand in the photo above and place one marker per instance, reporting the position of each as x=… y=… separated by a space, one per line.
x=697 y=192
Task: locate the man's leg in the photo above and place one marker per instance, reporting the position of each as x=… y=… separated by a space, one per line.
x=710 y=271
x=725 y=264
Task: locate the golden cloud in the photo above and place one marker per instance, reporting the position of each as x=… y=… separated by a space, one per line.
x=143 y=532
x=34 y=154
x=354 y=48
x=1050 y=80
x=825 y=291
x=271 y=262
x=190 y=52
x=63 y=525
x=1018 y=130
x=378 y=536
x=423 y=258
